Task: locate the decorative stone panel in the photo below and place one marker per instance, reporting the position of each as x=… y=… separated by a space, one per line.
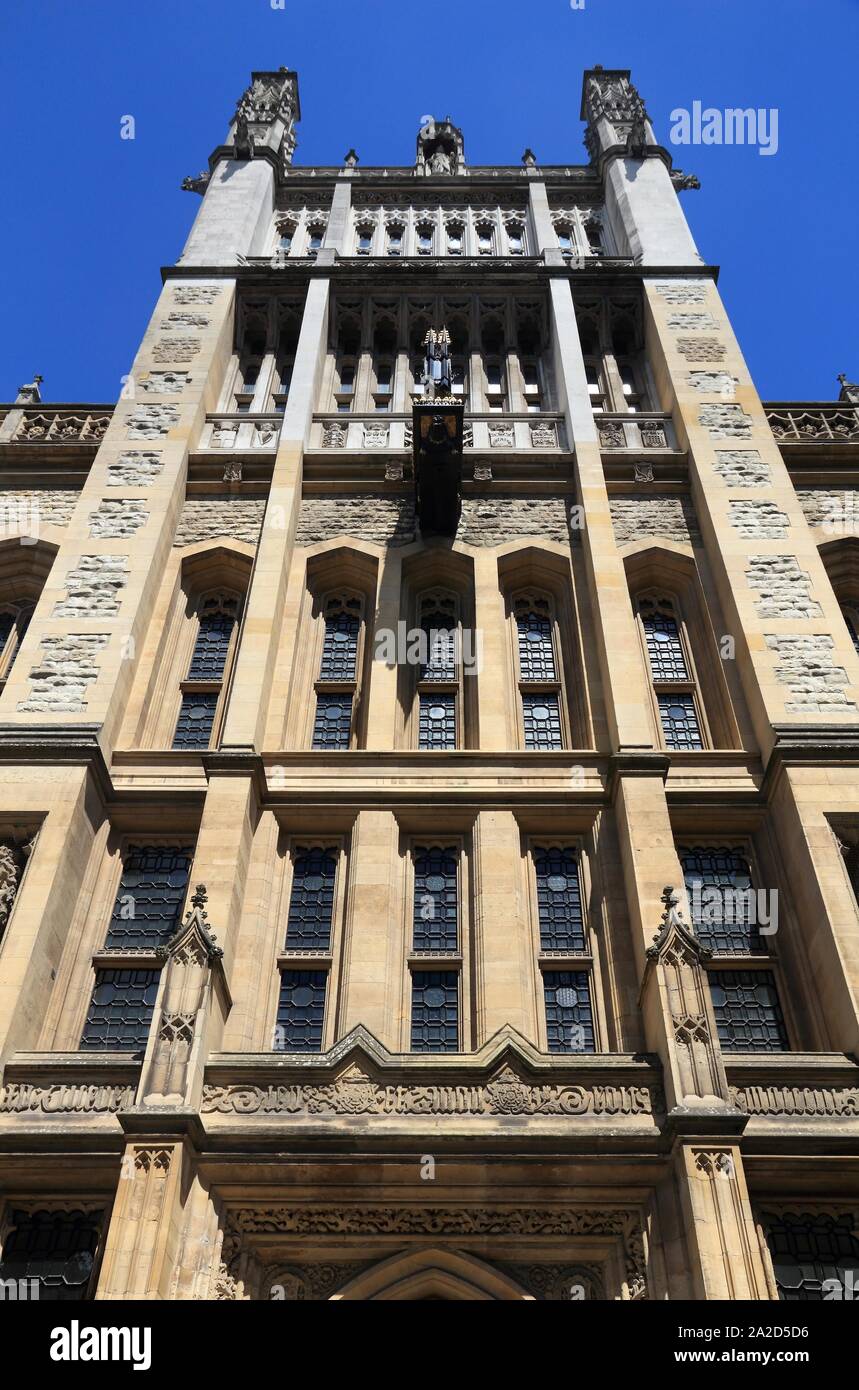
x=683 y=292
x=690 y=321
x=494 y=520
x=670 y=517
x=805 y=666
x=701 y=349
x=376 y=436
x=836 y=510
x=713 y=383
x=176 y=350
x=136 y=468
x=204 y=518
x=151 y=421
x=501 y=437
x=784 y=589
x=177 y=322
x=195 y=294
x=726 y=421
x=382 y=520
x=60 y=680
x=27 y=510
x=165 y=383
x=544 y=436
x=758 y=520
x=114 y=519
x=334 y=436
x=742 y=468
x=94 y=587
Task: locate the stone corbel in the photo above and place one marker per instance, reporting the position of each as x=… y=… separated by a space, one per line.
x=675 y=982
x=193 y=986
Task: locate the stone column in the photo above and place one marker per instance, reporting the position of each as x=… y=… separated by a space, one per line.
x=144 y=1237
x=374 y=970
x=505 y=988
x=725 y=1258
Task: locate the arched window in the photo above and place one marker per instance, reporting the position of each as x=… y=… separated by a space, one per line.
x=203 y=687
x=485 y=238
x=394 y=239
x=315 y=238
x=337 y=683
x=439 y=673
x=538 y=673
x=516 y=238
x=364 y=239
x=672 y=674
x=425 y=238
x=14 y=621
x=455 y=232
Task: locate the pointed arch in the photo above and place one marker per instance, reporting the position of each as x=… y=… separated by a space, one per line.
x=432 y=1273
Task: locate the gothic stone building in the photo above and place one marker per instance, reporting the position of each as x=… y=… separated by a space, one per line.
x=430 y=811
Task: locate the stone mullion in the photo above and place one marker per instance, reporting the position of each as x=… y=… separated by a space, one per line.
x=380 y=692
x=725 y=1257
x=796 y=660
x=90 y=622
x=505 y=970
x=374 y=990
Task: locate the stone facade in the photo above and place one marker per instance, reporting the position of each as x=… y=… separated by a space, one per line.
x=702 y=349
x=743 y=468
x=31 y=507
x=671 y=518
x=114 y=519
x=382 y=520
x=94 y=586
x=835 y=510
x=759 y=520
x=134 y=468
x=726 y=421
x=203 y=519
x=152 y=421
x=68 y=666
x=805 y=666
x=783 y=590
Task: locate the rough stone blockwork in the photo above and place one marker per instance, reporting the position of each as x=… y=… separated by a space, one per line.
x=759 y=520
x=682 y=292
x=150 y=421
x=28 y=509
x=742 y=468
x=120 y=518
x=176 y=322
x=691 y=321
x=784 y=589
x=94 y=587
x=137 y=468
x=670 y=517
x=67 y=667
x=383 y=520
x=701 y=349
x=195 y=294
x=165 y=383
x=837 y=511
x=805 y=666
x=494 y=520
x=176 y=350
x=202 y=519
x=713 y=383
x=726 y=421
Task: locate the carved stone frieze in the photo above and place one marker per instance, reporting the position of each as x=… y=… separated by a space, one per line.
x=67 y=1099
x=812 y=1102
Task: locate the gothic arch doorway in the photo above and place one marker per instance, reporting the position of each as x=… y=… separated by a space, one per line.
x=432 y=1274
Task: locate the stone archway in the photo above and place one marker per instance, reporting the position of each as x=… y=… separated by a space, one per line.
x=432 y=1273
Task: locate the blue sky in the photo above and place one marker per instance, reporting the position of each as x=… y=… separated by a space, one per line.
x=89 y=218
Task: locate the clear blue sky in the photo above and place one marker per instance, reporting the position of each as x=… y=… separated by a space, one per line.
x=89 y=218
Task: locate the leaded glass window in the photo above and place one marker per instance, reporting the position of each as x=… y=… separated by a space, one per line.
x=435 y=1011
x=437 y=722
x=56 y=1248
x=559 y=900
x=196 y=719
x=436 y=899
x=340 y=646
x=311 y=902
x=815 y=1256
x=301 y=1011
x=439 y=634
x=333 y=726
x=664 y=646
x=722 y=901
x=569 y=1017
x=148 y=906
x=536 y=647
x=542 y=719
x=747 y=1009
x=217 y=621
x=120 y=1011
x=679 y=720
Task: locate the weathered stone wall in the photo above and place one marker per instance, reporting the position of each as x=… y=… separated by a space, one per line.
x=93 y=586
x=494 y=520
x=743 y=468
x=726 y=421
x=758 y=520
x=372 y=517
x=670 y=517
x=835 y=509
x=135 y=468
x=204 y=518
x=113 y=519
x=784 y=590
x=805 y=666
x=28 y=508
x=67 y=667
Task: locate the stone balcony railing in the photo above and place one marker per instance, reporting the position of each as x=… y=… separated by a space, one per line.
x=626 y=431
x=810 y=423
x=542 y=433
x=55 y=424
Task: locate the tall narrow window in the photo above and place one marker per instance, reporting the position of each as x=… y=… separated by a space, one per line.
x=425 y=236
x=559 y=900
x=539 y=682
x=311 y=903
x=569 y=1018
x=728 y=915
x=383 y=392
x=566 y=239
x=336 y=687
x=496 y=394
x=146 y=914
x=436 y=911
x=594 y=234
x=301 y=1011
x=485 y=239
x=246 y=386
x=394 y=240
x=851 y=618
x=671 y=673
x=55 y=1249
x=14 y=622
x=301 y=1007
x=344 y=387
x=531 y=389
x=315 y=238
x=632 y=394
x=285 y=368
x=435 y=938
x=454 y=238
x=438 y=675
x=285 y=240
x=564 y=961
x=364 y=242
x=596 y=387
x=516 y=239
x=202 y=689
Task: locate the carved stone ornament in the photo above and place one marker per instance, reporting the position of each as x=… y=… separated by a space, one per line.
x=233 y=471
x=334 y=436
x=14 y=854
x=643 y=472
x=675 y=939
